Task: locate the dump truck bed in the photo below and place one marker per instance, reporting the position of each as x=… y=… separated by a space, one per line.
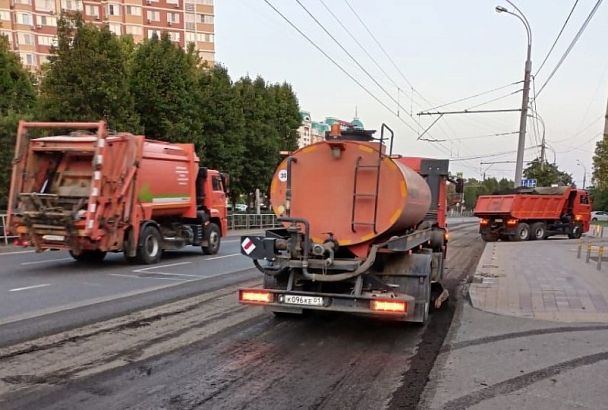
x=521 y=206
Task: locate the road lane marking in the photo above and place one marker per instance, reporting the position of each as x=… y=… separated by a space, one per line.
x=147 y=277
x=170 y=274
x=42 y=285
x=15 y=253
x=45 y=261
x=161 y=266
x=102 y=299
x=221 y=257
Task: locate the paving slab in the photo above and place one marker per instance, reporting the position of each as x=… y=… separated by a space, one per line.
x=545 y=280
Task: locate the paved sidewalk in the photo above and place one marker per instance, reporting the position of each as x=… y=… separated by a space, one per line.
x=504 y=362
x=541 y=280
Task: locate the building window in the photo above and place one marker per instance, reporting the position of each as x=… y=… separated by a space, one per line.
x=8 y=35
x=113 y=10
x=24 y=18
x=153 y=32
x=190 y=37
x=47 y=41
x=204 y=37
x=205 y=18
x=25 y=39
x=5 y=15
x=174 y=36
x=43 y=59
x=47 y=21
x=24 y=2
x=134 y=11
x=205 y=2
x=45 y=5
x=134 y=30
x=190 y=7
x=115 y=28
x=173 y=17
x=176 y=2
x=28 y=59
x=153 y=15
x=92 y=11
x=72 y=5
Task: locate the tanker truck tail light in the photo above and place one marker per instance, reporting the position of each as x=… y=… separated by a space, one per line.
x=484 y=221
x=255 y=296
x=512 y=222
x=392 y=306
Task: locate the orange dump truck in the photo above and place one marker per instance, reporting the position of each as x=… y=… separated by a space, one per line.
x=93 y=192
x=534 y=214
x=364 y=231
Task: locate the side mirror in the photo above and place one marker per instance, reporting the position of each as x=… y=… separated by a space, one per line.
x=225 y=182
x=459 y=185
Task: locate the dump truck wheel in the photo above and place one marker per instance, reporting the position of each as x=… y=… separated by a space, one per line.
x=575 y=232
x=522 y=232
x=538 y=231
x=213 y=238
x=489 y=237
x=149 y=250
x=89 y=256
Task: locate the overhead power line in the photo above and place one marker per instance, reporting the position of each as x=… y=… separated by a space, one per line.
x=371 y=77
x=473 y=96
x=349 y=75
x=571 y=46
x=495 y=99
x=498 y=154
x=388 y=56
x=363 y=48
x=557 y=38
x=500 y=134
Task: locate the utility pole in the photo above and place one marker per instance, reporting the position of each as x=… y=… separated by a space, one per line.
x=523 y=119
x=519 y=165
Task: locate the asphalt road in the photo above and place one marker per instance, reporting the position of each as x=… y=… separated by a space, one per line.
x=209 y=352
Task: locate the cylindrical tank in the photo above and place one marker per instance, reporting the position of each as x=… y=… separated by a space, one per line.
x=334 y=185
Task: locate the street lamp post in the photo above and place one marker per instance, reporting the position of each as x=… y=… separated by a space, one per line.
x=579 y=163
x=519 y=165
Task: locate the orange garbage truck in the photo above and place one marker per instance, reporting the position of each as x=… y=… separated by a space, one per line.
x=90 y=192
x=364 y=231
x=537 y=213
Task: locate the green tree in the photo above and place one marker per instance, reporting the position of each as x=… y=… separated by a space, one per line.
x=16 y=83
x=86 y=78
x=163 y=83
x=546 y=174
x=600 y=164
x=223 y=124
x=287 y=115
x=17 y=98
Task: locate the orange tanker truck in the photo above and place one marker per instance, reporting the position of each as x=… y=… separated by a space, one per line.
x=93 y=192
x=364 y=231
x=534 y=214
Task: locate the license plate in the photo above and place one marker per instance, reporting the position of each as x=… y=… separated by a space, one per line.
x=303 y=300
x=498 y=220
x=56 y=238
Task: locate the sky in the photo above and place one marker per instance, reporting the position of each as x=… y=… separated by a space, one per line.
x=446 y=50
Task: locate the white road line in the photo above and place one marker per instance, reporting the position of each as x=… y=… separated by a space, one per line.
x=15 y=253
x=221 y=257
x=171 y=274
x=124 y=276
x=161 y=266
x=147 y=277
x=30 y=287
x=45 y=261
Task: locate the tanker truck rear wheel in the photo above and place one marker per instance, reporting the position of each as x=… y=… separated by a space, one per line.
x=89 y=256
x=213 y=238
x=522 y=232
x=149 y=250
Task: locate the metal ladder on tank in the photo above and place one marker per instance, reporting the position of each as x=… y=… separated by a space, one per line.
x=358 y=195
x=372 y=195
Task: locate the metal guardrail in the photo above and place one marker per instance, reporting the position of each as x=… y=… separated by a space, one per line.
x=4 y=236
x=235 y=221
x=252 y=221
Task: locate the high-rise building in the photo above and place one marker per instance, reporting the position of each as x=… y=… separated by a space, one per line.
x=31 y=25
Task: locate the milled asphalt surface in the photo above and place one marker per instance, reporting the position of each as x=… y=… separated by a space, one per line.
x=218 y=354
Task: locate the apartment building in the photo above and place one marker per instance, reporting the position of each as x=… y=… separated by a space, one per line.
x=31 y=25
